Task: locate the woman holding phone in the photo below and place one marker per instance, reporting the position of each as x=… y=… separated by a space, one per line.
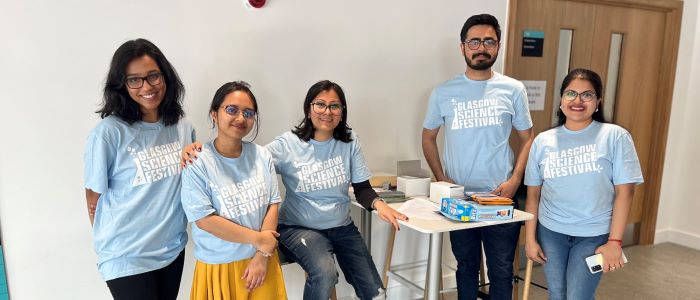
x=580 y=176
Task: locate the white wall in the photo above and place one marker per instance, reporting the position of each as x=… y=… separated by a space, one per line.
x=55 y=54
x=677 y=219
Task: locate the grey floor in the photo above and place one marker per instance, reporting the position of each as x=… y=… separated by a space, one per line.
x=664 y=271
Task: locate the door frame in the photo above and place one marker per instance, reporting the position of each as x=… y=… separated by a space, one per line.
x=673 y=9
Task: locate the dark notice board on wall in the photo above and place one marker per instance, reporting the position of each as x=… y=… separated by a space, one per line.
x=533 y=42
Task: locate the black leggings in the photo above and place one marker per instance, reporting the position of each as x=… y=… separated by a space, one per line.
x=161 y=284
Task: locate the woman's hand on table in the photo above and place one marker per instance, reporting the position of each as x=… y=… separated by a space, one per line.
x=389 y=214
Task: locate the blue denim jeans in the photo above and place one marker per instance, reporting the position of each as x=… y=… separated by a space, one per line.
x=500 y=242
x=313 y=250
x=566 y=271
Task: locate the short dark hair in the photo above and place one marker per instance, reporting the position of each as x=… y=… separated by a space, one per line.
x=231 y=87
x=116 y=100
x=305 y=130
x=482 y=19
x=597 y=84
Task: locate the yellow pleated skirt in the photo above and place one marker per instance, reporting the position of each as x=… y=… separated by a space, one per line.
x=223 y=282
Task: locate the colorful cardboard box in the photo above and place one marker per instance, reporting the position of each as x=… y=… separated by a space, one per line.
x=470 y=211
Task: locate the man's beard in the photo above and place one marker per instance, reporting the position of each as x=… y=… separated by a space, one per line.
x=481 y=65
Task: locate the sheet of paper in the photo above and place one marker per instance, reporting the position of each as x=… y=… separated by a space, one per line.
x=420 y=208
x=536 y=91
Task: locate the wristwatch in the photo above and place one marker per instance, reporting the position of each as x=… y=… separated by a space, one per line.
x=375 y=200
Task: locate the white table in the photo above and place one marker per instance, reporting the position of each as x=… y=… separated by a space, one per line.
x=436 y=228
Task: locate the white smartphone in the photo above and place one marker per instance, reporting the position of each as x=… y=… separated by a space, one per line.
x=595 y=262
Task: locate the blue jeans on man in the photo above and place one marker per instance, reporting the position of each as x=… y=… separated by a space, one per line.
x=566 y=270
x=500 y=243
x=313 y=250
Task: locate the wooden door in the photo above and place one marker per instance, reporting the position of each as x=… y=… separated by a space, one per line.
x=632 y=44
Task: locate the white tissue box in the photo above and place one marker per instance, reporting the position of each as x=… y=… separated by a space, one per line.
x=413 y=186
x=442 y=189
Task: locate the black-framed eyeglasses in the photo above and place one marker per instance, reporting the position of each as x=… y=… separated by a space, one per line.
x=234 y=111
x=320 y=107
x=135 y=82
x=585 y=96
x=474 y=44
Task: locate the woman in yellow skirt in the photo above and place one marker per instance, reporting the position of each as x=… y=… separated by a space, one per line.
x=231 y=195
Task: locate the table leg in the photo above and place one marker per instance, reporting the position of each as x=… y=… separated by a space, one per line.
x=388 y=254
x=528 y=279
x=367 y=229
x=432 y=291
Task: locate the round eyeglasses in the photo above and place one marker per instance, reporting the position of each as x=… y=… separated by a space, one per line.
x=320 y=107
x=135 y=82
x=585 y=96
x=474 y=44
x=234 y=111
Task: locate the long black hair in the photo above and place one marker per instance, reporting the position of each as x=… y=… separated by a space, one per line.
x=597 y=84
x=231 y=87
x=116 y=100
x=305 y=130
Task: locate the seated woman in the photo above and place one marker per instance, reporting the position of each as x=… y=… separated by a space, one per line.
x=231 y=195
x=319 y=160
x=580 y=177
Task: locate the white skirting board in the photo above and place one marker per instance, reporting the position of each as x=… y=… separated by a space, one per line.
x=680 y=237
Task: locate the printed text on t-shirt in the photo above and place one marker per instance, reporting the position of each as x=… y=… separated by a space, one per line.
x=572 y=161
x=155 y=163
x=477 y=113
x=240 y=198
x=321 y=175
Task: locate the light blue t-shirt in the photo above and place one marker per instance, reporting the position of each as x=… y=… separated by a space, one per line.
x=578 y=171
x=238 y=189
x=478 y=117
x=139 y=222
x=317 y=176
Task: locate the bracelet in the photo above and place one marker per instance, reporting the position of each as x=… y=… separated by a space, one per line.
x=616 y=240
x=264 y=254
